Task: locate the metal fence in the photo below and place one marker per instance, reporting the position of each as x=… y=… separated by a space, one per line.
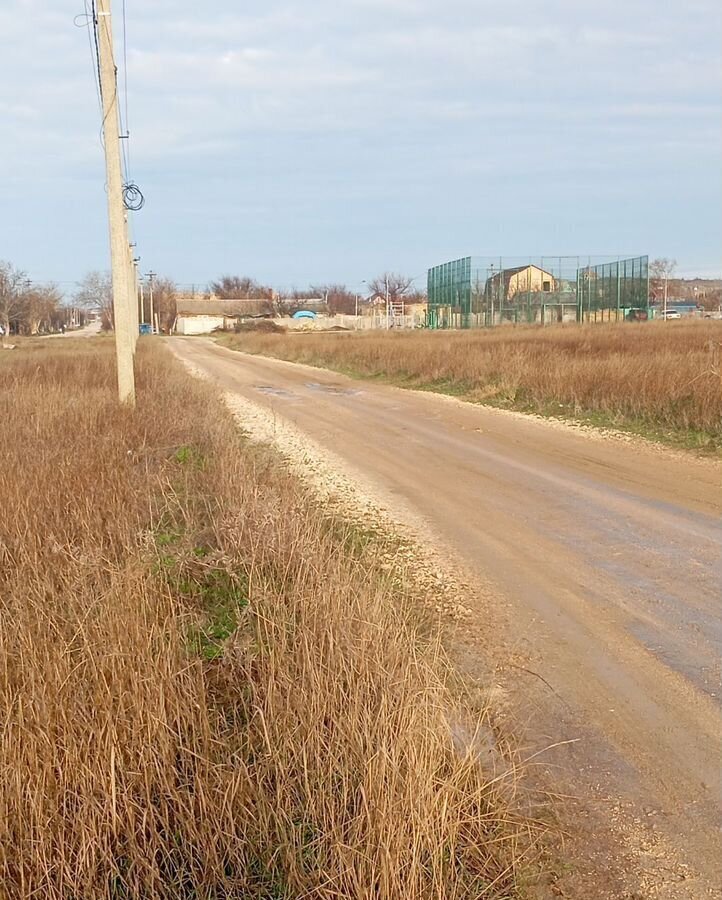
x=483 y=291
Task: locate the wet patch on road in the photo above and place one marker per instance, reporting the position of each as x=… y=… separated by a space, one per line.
x=332 y=388
x=274 y=391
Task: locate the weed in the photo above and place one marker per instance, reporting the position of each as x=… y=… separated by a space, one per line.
x=315 y=760
x=189 y=456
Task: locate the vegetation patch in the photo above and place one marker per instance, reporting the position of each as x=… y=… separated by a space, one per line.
x=211 y=688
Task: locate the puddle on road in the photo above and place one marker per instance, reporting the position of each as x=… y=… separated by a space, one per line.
x=274 y=391
x=332 y=389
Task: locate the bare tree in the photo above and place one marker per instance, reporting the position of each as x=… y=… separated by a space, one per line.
x=41 y=309
x=398 y=285
x=238 y=287
x=660 y=272
x=164 y=302
x=13 y=283
x=96 y=292
x=338 y=297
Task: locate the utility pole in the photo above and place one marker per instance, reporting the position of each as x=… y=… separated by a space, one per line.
x=151 y=276
x=666 y=276
x=116 y=213
x=137 y=295
x=386 y=283
x=141 y=299
x=132 y=292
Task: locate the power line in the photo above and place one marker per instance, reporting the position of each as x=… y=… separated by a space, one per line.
x=125 y=92
x=94 y=23
x=88 y=22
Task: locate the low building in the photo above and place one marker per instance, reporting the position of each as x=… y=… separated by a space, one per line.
x=528 y=279
x=195 y=316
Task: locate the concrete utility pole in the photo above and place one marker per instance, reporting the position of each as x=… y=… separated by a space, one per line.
x=132 y=291
x=151 y=276
x=122 y=315
x=137 y=289
x=141 y=299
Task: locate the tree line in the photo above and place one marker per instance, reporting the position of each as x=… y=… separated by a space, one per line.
x=339 y=298
x=29 y=308
x=95 y=291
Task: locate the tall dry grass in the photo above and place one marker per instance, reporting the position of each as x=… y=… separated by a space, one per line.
x=662 y=376
x=202 y=695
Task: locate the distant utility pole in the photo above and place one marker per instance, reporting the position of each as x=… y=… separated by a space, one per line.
x=132 y=291
x=137 y=290
x=151 y=276
x=141 y=299
x=122 y=315
x=386 y=283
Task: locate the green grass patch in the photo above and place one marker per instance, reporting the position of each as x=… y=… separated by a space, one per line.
x=223 y=597
x=189 y=456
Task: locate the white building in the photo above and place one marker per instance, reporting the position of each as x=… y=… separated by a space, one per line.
x=195 y=316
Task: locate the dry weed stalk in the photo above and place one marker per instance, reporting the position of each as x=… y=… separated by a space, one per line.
x=201 y=695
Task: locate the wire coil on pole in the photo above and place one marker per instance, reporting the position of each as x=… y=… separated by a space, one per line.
x=133 y=198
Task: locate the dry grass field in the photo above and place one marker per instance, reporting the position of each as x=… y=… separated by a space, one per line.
x=208 y=689
x=660 y=379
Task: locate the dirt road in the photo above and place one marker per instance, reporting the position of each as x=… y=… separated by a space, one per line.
x=600 y=565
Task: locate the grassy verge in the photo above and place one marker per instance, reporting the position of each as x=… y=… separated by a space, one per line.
x=209 y=689
x=658 y=380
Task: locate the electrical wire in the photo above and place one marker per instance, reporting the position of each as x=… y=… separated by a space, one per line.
x=126 y=145
x=94 y=22
x=86 y=20
x=115 y=100
x=133 y=198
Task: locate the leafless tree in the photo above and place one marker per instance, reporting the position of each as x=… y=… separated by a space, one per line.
x=164 y=302
x=96 y=292
x=237 y=287
x=13 y=284
x=398 y=285
x=660 y=270
x=339 y=298
x=41 y=309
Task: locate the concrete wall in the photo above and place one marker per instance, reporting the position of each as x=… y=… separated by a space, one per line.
x=198 y=324
x=353 y=323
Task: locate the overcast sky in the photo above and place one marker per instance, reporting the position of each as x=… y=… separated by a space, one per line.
x=330 y=140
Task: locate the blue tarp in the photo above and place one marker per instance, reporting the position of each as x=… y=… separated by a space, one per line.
x=304 y=314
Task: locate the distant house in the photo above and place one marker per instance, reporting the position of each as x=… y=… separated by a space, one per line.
x=373 y=305
x=519 y=280
x=203 y=316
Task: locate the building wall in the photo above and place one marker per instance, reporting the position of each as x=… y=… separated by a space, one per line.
x=198 y=324
x=530 y=279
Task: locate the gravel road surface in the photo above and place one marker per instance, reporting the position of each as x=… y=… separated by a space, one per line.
x=603 y=617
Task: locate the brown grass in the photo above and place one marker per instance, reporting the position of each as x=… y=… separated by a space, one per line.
x=661 y=379
x=202 y=694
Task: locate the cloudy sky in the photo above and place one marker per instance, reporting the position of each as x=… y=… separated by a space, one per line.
x=333 y=139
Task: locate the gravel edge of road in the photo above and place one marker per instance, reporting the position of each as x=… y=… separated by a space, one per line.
x=346 y=491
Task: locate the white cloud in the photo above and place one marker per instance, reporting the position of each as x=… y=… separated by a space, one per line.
x=320 y=105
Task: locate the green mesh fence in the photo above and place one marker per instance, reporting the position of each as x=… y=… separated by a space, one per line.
x=484 y=291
